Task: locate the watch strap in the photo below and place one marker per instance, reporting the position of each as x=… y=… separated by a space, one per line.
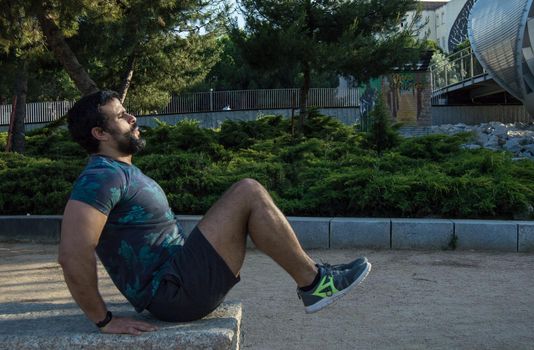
x=105 y=321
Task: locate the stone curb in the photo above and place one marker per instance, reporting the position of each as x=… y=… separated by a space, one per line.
x=326 y=232
x=63 y=326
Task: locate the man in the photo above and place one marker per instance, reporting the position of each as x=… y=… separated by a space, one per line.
x=124 y=215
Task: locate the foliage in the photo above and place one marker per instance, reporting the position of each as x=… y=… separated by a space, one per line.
x=166 y=45
x=35 y=185
x=349 y=38
x=382 y=135
x=328 y=171
x=241 y=134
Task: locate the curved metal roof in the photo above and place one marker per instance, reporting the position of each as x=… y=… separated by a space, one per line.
x=502 y=37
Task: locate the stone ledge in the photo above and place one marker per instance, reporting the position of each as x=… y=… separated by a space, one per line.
x=188 y=222
x=61 y=326
x=421 y=234
x=321 y=233
x=360 y=233
x=497 y=235
x=525 y=237
x=30 y=228
x=312 y=233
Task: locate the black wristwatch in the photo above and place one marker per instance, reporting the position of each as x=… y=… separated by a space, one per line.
x=105 y=321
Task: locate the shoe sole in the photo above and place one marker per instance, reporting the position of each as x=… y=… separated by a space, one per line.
x=329 y=300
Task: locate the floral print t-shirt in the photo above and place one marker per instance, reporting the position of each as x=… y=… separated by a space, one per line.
x=141 y=233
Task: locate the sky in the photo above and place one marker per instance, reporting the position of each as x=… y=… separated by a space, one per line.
x=241 y=22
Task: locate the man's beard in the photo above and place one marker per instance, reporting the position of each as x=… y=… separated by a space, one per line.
x=127 y=143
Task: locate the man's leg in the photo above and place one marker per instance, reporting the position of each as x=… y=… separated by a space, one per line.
x=247 y=207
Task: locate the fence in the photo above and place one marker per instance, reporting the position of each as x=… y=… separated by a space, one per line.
x=460 y=66
x=38 y=112
x=260 y=99
x=42 y=112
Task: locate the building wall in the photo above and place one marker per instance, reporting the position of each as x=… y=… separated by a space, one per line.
x=473 y=115
x=440 y=22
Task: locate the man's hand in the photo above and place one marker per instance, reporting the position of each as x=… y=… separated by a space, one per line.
x=125 y=325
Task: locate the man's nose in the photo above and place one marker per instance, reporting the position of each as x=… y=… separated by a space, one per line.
x=131 y=118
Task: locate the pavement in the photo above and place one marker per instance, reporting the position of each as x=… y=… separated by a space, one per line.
x=410 y=300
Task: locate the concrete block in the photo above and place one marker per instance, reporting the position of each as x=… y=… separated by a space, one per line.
x=61 y=326
x=312 y=233
x=486 y=235
x=421 y=233
x=360 y=233
x=30 y=228
x=526 y=236
x=188 y=222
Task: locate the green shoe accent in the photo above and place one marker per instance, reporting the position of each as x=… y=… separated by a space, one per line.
x=324 y=290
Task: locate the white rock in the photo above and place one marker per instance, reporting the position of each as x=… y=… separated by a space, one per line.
x=471 y=146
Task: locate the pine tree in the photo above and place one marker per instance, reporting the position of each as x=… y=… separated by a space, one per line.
x=362 y=39
x=381 y=136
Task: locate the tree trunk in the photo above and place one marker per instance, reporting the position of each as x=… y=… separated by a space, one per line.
x=21 y=89
x=127 y=78
x=56 y=42
x=304 y=91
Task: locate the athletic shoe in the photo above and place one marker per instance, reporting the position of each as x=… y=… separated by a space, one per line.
x=333 y=284
x=350 y=265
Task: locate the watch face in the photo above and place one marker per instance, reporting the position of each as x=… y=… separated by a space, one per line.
x=458 y=32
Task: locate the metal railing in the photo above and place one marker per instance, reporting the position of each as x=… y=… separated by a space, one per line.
x=42 y=112
x=260 y=99
x=38 y=112
x=459 y=67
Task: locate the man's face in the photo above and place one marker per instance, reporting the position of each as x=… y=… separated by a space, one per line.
x=122 y=127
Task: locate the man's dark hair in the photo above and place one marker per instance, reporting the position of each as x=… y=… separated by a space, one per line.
x=85 y=115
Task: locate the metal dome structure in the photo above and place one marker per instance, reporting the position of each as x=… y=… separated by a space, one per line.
x=502 y=38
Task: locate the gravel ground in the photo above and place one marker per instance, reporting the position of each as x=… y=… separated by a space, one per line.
x=410 y=300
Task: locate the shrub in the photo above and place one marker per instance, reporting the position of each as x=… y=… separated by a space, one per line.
x=382 y=136
x=433 y=147
x=35 y=185
x=54 y=144
x=186 y=135
x=243 y=134
x=326 y=171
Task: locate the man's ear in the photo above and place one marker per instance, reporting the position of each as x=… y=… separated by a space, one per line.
x=99 y=133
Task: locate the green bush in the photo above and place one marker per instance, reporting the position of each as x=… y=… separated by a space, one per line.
x=35 y=185
x=382 y=135
x=53 y=144
x=184 y=136
x=328 y=170
x=243 y=134
x=3 y=141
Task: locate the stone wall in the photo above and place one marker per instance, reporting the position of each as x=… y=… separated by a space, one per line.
x=347 y=115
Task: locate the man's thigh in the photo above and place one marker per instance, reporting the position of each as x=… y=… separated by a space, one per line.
x=225 y=224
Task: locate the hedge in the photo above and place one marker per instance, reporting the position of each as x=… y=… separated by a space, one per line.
x=329 y=170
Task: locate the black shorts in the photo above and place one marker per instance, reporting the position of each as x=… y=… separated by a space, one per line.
x=196 y=284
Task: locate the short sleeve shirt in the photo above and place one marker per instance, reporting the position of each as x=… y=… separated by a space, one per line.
x=141 y=233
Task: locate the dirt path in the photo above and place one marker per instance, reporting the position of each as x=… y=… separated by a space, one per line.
x=411 y=300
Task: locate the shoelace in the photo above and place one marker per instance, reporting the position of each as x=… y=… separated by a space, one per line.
x=328 y=267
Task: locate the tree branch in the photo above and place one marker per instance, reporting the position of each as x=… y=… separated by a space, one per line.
x=63 y=53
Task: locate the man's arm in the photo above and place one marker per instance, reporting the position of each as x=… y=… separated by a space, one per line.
x=80 y=231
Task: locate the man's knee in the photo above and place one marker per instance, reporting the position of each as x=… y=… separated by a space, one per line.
x=249 y=186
